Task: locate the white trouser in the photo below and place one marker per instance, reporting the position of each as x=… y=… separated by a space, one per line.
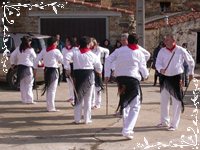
x=50 y=95
x=130 y=115
x=70 y=91
x=26 y=88
x=96 y=100
x=165 y=105
x=86 y=101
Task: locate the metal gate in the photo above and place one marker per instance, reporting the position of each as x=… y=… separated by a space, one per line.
x=74 y=27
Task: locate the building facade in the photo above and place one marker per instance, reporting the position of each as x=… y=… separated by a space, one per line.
x=97 y=18
x=109 y=18
x=179 y=17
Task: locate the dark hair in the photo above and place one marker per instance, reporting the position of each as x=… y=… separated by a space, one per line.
x=116 y=46
x=84 y=41
x=161 y=44
x=71 y=41
x=51 y=40
x=133 y=38
x=105 y=41
x=76 y=40
x=25 y=43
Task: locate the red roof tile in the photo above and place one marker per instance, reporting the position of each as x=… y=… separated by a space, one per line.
x=173 y=20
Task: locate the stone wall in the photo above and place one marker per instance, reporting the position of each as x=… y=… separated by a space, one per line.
x=125 y=4
x=183 y=34
x=118 y=25
x=152 y=7
x=27 y=23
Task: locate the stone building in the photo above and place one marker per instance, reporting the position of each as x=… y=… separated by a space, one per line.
x=109 y=18
x=184 y=26
x=183 y=22
x=97 y=18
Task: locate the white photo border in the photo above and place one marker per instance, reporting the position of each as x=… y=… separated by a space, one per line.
x=191 y=141
x=10 y=9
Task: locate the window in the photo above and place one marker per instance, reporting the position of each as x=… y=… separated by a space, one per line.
x=165 y=6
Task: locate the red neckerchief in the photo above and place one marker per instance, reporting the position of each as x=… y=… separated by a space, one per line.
x=171 y=49
x=133 y=46
x=68 y=47
x=50 y=48
x=91 y=47
x=84 y=50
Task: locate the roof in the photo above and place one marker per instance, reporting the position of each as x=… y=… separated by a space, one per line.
x=173 y=20
x=88 y=4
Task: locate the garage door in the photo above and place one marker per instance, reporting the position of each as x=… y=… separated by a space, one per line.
x=69 y=27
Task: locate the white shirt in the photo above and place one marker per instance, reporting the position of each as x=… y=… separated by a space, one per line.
x=86 y=60
x=176 y=64
x=26 y=57
x=127 y=63
x=50 y=59
x=145 y=52
x=101 y=52
x=65 y=53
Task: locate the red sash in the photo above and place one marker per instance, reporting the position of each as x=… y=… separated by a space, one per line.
x=171 y=49
x=50 y=48
x=84 y=50
x=133 y=46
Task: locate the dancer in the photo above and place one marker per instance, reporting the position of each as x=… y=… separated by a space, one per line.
x=129 y=63
x=169 y=64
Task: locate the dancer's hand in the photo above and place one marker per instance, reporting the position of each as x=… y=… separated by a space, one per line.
x=162 y=71
x=191 y=77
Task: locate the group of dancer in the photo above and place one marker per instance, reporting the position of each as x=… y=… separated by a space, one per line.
x=83 y=69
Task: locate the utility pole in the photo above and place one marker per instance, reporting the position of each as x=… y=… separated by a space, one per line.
x=140 y=21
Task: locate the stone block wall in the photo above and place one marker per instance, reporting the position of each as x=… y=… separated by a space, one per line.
x=183 y=33
x=27 y=23
x=152 y=7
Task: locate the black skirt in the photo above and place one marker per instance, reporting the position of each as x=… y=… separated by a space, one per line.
x=83 y=80
x=50 y=75
x=22 y=72
x=173 y=84
x=128 y=89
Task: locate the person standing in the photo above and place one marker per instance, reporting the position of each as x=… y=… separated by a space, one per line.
x=24 y=56
x=185 y=66
x=118 y=44
x=106 y=44
x=124 y=41
x=60 y=46
x=155 y=54
x=129 y=62
x=84 y=63
x=169 y=64
x=51 y=59
x=60 y=43
x=69 y=48
x=99 y=51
